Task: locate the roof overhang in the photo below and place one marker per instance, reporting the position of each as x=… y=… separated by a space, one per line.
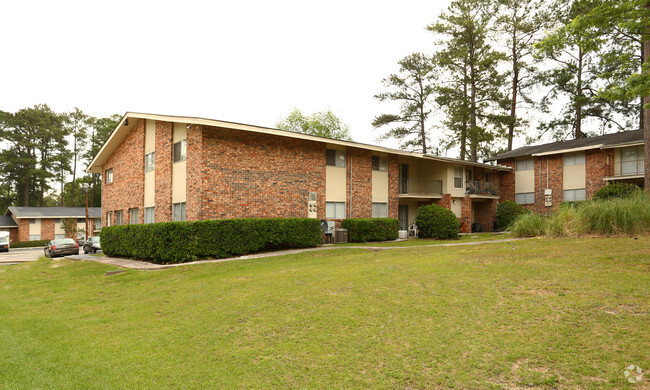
x=122 y=130
x=622 y=145
x=567 y=150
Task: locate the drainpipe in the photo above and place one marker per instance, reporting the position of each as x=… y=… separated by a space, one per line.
x=350 y=196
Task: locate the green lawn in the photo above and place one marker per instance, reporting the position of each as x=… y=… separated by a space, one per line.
x=411 y=241
x=565 y=313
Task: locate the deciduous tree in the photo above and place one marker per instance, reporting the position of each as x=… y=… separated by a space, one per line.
x=322 y=124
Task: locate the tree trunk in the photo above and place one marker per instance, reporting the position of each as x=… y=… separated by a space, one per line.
x=646 y=102
x=422 y=129
x=578 y=98
x=74 y=171
x=26 y=189
x=515 y=84
x=463 y=131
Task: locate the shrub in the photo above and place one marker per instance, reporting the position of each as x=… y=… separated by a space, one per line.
x=176 y=242
x=371 y=229
x=434 y=221
x=507 y=213
x=528 y=225
x=29 y=244
x=617 y=190
x=615 y=216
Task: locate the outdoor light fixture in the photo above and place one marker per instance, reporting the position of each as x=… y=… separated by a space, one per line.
x=126 y=122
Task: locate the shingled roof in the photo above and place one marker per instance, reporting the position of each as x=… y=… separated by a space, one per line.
x=7 y=222
x=54 y=212
x=602 y=141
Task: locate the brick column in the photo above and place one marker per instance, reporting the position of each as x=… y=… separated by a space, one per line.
x=164 y=141
x=466 y=214
x=393 y=186
x=193 y=209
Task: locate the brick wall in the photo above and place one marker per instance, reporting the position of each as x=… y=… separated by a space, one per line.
x=598 y=164
x=13 y=234
x=23 y=229
x=393 y=186
x=466 y=215
x=507 y=181
x=484 y=213
x=360 y=184
x=258 y=175
x=445 y=201
x=194 y=167
x=163 y=175
x=47 y=228
x=127 y=189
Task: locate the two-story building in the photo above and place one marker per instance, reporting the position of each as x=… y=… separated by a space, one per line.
x=159 y=168
x=47 y=223
x=570 y=170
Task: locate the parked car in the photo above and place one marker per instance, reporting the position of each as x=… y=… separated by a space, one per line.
x=92 y=245
x=4 y=244
x=61 y=247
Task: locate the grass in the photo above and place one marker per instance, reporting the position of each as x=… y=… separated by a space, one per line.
x=563 y=313
x=474 y=237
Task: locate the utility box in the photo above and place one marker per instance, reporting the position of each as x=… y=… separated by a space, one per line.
x=548 y=197
x=403 y=234
x=340 y=236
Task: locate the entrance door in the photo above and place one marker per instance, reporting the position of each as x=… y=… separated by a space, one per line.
x=403 y=216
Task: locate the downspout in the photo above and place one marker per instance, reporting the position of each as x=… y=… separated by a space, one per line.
x=350 y=196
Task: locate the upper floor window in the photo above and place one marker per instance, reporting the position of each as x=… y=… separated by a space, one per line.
x=525 y=198
x=458 y=177
x=150 y=162
x=574 y=195
x=525 y=165
x=577 y=158
x=379 y=163
x=34 y=221
x=109 y=176
x=335 y=158
x=180 y=150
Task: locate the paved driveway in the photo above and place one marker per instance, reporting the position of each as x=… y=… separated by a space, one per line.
x=21 y=255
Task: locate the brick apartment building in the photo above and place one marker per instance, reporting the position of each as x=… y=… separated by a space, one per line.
x=46 y=223
x=570 y=170
x=158 y=168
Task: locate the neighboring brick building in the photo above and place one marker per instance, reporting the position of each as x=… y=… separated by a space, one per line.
x=46 y=223
x=162 y=168
x=570 y=170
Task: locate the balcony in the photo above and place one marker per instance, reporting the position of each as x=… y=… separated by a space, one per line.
x=423 y=188
x=628 y=168
x=483 y=188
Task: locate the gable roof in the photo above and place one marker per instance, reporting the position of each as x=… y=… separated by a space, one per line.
x=7 y=222
x=125 y=126
x=54 y=212
x=606 y=141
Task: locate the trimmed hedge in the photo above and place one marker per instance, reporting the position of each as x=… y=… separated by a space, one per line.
x=434 y=221
x=617 y=190
x=508 y=212
x=371 y=229
x=29 y=244
x=177 y=242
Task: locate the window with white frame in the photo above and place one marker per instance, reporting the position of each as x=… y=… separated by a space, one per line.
x=150 y=162
x=119 y=217
x=379 y=163
x=574 y=195
x=34 y=237
x=149 y=215
x=97 y=223
x=178 y=211
x=335 y=210
x=109 y=176
x=34 y=221
x=525 y=198
x=379 y=210
x=180 y=151
x=577 y=158
x=133 y=216
x=109 y=216
x=59 y=236
x=525 y=165
x=458 y=177
x=335 y=158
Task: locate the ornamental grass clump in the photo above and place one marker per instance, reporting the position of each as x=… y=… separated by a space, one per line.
x=615 y=216
x=528 y=225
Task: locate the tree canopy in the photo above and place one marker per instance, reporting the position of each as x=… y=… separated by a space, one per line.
x=322 y=124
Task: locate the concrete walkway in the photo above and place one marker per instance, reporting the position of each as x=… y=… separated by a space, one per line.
x=143 y=265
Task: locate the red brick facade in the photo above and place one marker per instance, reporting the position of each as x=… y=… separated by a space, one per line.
x=359 y=190
x=163 y=171
x=393 y=186
x=23 y=229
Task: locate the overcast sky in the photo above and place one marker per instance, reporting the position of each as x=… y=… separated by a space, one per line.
x=241 y=61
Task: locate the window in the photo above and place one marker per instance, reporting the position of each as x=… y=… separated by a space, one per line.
x=180 y=151
x=57 y=220
x=577 y=158
x=525 y=165
x=335 y=158
x=150 y=162
x=98 y=223
x=574 y=195
x=458 y=177
x=109 y=176
x=81 y=220
x=335 y=210
x=525 y=198
x=380 y=210
x=109 y=216
x=59 y=236
x=379 y=163
x=149 y=215
x=118 y=217
x=178 y=211
x=469 y=174
x=133 y=216
x=34 y=221
x=34 y=237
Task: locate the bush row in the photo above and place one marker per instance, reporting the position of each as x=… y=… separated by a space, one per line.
x=176 y=242
x=29 y=244
x=371 y=229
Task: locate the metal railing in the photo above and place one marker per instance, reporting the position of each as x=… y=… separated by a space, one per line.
x=482 y=187
x=628 y=168
x=420 y=186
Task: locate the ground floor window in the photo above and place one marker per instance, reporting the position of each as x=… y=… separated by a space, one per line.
x=525 y=198
x=380 y=210
x=119 y=217
x=149 y=215
x=34 y=237
x=133 y=216
x=573 y=195
x=98 y=223
x=59 y=236
x=178 y=211
x=335 y=210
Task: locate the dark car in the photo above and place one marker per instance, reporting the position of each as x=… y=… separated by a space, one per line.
x=4 y=244
x=92 y=245
x=61 y=247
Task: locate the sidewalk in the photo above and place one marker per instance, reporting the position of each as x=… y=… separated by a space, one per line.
x=143 y=265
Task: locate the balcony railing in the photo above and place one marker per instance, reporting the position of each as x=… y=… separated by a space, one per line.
x=628 y=168
x=420 y=186
x=482 y=188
